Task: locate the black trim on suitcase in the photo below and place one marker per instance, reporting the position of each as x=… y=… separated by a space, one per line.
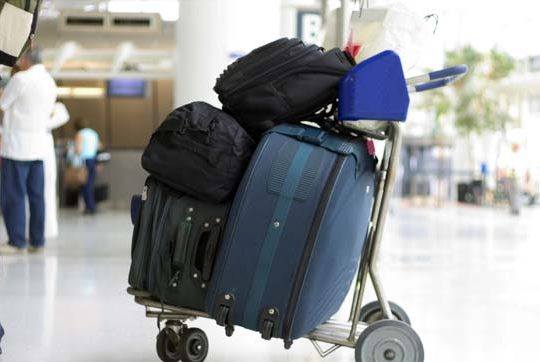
x=306 y=256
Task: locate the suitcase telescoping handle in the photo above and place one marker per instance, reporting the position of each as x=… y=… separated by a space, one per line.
x=436 y=79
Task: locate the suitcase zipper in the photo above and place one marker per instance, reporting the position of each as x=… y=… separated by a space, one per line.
x=145 y=246
x=310 y=244
x=157 y=244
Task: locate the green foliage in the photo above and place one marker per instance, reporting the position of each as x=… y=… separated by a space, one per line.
x=466 y=55
x=471 y=103
x=501 y=65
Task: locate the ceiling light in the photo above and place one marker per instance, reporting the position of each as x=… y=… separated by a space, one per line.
x=168 y=9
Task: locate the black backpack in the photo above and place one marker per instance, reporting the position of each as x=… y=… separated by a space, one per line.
x=284 y=81
x=199 y=150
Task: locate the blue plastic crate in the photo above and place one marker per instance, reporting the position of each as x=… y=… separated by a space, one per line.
x=375 y=89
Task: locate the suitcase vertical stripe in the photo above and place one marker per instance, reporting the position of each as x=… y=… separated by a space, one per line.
x=275 y=231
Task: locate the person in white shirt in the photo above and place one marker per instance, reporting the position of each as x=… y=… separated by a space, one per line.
x=27 y=102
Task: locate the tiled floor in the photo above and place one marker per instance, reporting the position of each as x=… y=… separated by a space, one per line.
x=469 y=278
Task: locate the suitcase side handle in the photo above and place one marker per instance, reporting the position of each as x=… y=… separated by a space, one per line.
x=205 y=251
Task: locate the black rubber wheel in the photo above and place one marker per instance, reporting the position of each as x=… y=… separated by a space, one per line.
x=167 y=345
x=389 y=341
x=372 y=312
x=193 y=345
x=267 y=330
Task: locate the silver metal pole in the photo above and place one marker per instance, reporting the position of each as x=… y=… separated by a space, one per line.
x=325 y=11
x=392 y=162
x=375 y=224
x=343 y=22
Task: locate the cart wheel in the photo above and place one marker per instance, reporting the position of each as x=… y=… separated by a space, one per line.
x=371 y=313
x=167 y=345
x=193 y=345
x=389 y=340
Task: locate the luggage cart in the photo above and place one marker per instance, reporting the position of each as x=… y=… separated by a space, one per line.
x=378 y=331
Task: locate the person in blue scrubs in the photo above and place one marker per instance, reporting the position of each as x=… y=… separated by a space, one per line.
x=87 y=145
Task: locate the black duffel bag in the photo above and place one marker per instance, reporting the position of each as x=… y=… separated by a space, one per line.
x=284 y=81
x=199 y=150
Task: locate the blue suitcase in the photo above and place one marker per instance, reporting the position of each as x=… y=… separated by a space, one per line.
x=295 y=233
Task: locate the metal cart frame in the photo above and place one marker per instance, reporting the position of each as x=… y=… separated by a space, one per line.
x=349 y=333
x=339 y=334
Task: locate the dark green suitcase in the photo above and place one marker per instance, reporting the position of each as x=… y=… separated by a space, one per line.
x=175 y=241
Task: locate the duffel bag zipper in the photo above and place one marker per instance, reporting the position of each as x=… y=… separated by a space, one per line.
x=308 y=250
x=242 y=85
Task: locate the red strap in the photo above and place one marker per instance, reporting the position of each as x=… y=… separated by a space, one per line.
x=370 y=145
x=352 y=48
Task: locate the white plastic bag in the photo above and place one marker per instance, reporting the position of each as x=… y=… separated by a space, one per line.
x=395 y=27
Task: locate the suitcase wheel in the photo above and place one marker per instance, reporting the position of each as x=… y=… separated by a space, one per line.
x=287 y=344
x=267 y=330
x=372 y=312
x=229 y=330
x=223 y=315
x=389 y=340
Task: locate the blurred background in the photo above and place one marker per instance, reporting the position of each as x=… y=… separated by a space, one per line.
x=461 y=241
x=118 y=65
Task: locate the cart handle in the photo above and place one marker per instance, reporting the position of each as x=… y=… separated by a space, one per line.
x=436 y=79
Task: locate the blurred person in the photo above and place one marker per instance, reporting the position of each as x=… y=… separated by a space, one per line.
x=27 y=102
x=59 y=117
x=87 y=145
x=516 y=179
x=1 y=335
